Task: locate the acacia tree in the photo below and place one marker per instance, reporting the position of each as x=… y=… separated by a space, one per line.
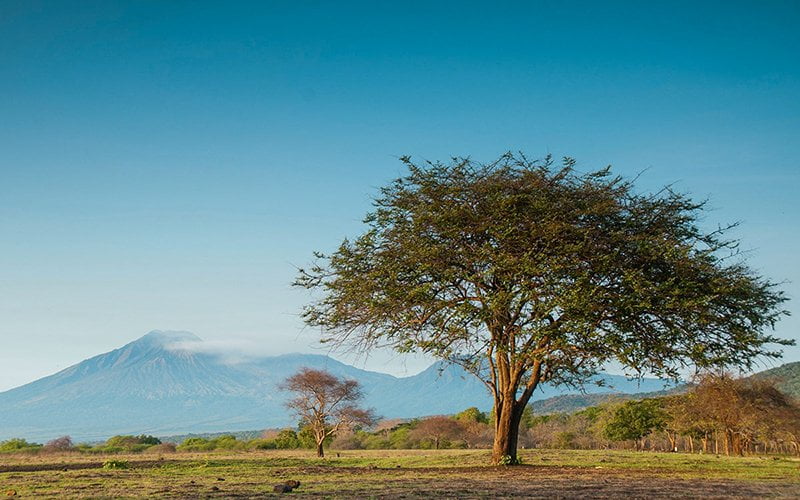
x=437 y=429
x=326 y=403
x=741 y=410
x=525 y=272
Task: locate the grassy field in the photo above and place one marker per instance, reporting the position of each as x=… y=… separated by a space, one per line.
x=400 y=474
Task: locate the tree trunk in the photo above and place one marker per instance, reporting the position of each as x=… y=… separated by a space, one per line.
x=673 y=441
x=736 y=444
x=506 y=431
x=320 y=451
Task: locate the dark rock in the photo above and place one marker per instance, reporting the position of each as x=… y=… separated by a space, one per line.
x=282 y=488
x=220 y=479
x=292 y=483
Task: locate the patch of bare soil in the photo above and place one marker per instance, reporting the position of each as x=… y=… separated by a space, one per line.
x=536 y=482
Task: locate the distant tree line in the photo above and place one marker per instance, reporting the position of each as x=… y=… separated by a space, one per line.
x=719 y=414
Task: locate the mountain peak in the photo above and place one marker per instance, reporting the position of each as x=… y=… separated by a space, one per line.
x=166 y=337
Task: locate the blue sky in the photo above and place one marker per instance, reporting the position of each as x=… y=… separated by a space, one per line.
x=167 y=164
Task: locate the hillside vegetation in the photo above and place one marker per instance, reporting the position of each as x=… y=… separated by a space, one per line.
x=786 y=377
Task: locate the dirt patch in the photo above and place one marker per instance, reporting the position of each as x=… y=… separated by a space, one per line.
x=255 y=478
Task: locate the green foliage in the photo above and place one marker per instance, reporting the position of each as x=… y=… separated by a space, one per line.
x=659 y=293
x=287 y=440
x=147 y=439
x=400 y=438
x=224 y=442
x=506 y=460
x=592 y=413
x=262 y=444
x=376 y=442
x=472 y=414
x=526 y=421
x=19 y=445
x=305 y=436
x=636 y=419
x=197 y=444
x=549 y=271
x=126 y=443
x=227 y=443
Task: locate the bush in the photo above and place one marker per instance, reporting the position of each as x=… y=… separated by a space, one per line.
x=19 y=445
x=227 y=443
x=119 y=444
x=262 y=444
x=196 y=444
x=147 y=439
x=287 y=440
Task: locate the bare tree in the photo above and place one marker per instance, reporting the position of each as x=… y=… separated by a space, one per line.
x=326 y=403
x=438 y=429
x=63 y=443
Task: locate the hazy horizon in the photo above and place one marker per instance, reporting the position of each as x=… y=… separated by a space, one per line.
x=169 y=165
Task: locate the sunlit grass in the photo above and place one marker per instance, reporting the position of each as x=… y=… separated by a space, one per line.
x=374 y=472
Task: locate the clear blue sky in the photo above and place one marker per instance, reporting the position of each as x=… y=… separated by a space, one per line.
x=166 y=164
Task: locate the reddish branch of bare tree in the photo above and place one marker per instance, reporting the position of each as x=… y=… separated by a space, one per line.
x=326 y=403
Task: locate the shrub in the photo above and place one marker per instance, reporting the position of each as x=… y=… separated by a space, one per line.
x=262 y=444
x=287 y=440
x=19 y=445
x=147 y=439
x=196 y=444
x=121 y=443
x=227 y=443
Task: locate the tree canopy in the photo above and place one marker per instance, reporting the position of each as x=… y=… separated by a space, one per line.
x=525 y=271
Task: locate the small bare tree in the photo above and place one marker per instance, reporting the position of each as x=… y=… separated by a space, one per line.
x=326 y=403
x=438 y=429
x=63 y=443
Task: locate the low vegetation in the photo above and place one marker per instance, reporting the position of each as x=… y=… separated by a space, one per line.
x=400 y=473
x=719 y=415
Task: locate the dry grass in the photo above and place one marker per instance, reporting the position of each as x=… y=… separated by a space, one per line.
x=402 y=474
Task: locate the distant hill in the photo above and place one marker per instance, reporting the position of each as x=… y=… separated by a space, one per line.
x=787 y=377
x=570 y=403
x=166 y=383
x=240 y=435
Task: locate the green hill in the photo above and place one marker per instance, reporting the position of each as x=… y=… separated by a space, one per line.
x=787 y=377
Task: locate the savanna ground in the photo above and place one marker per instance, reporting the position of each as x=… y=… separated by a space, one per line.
x=401 y=474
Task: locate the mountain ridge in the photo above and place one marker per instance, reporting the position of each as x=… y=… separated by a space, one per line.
x=166 y=383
